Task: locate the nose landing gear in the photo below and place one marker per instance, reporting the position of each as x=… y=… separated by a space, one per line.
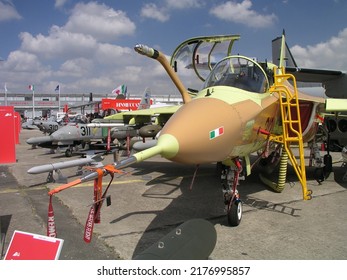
x=230 y=179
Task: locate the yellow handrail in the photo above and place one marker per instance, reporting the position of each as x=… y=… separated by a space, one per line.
x=290 y=135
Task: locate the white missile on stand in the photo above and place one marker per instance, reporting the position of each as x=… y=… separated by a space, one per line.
x=94 y=160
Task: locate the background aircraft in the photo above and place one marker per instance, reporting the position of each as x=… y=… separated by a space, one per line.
x=244 y=108
x=48 y=126
x=77 y=133
x=70 y=137
x=29 y=124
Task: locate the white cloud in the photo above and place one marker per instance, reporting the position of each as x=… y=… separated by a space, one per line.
x=109 y=54
x=152 y=11
x=328 y=55
x=78 y=67
x=99 y=21
x=77 y=39
x=162 y=14
x=23 y=67
x=8 y=11
x=77 y=54
x=184 y=4
x=20 y=61
x=243 y=14
x=87 y=27
x=59 y=43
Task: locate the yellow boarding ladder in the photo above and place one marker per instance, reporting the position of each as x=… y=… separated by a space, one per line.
x=291 y=135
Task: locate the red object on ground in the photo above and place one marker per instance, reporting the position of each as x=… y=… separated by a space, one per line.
x=28 y=246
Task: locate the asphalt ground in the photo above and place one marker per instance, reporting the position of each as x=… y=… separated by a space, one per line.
x=154 y=197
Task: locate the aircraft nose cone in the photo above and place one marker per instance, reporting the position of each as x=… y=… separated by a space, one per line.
x=206 y=129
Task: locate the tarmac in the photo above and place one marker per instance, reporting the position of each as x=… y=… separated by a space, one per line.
x=154 y=197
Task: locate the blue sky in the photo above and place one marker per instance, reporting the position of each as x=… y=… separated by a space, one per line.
x=87 y=46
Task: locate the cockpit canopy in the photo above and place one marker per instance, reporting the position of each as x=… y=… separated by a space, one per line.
x=240 y=72
x=79 y=118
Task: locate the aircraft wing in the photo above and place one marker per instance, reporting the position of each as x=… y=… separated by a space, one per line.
x=162 y=114
x=334 y=81
x=29 y=126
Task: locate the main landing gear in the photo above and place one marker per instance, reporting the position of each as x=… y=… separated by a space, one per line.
x=230 y=179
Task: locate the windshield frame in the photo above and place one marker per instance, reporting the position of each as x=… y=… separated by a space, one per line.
x=238 y=71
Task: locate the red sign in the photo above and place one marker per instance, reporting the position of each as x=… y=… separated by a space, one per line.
x=8 y=135
x=120 y=104
x=28 y=246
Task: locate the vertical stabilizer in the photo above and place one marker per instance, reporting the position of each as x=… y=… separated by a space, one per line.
x=145 y=102
x=281 y=55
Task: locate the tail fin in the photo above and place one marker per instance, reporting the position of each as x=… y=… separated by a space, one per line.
x=145 y=102
x=281 y=53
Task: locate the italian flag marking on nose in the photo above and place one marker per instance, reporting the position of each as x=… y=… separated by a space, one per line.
x=217 y=132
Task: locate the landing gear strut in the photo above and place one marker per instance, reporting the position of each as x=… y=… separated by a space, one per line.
x=230 y=180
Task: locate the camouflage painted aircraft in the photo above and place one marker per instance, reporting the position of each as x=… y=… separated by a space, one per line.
x=244 y=108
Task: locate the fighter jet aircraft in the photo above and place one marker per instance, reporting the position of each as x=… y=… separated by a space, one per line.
x=48 y=126
x=29 y=124
x=244 y=108
x=69 y=136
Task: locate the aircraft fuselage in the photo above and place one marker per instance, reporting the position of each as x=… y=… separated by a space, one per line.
x=230 y=126
x=69 y=135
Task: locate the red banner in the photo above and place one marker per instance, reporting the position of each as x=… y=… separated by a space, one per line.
x=51 y=229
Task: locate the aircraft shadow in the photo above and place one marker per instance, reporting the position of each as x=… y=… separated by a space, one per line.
x=203 y=199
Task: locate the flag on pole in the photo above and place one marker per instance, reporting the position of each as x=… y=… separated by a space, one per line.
x=122 y=89
x=31 y=87
x=57 y=88
x=5 y=87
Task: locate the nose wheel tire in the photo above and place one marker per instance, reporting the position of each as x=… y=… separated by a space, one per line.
x=68 y=153
x=234 y=214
